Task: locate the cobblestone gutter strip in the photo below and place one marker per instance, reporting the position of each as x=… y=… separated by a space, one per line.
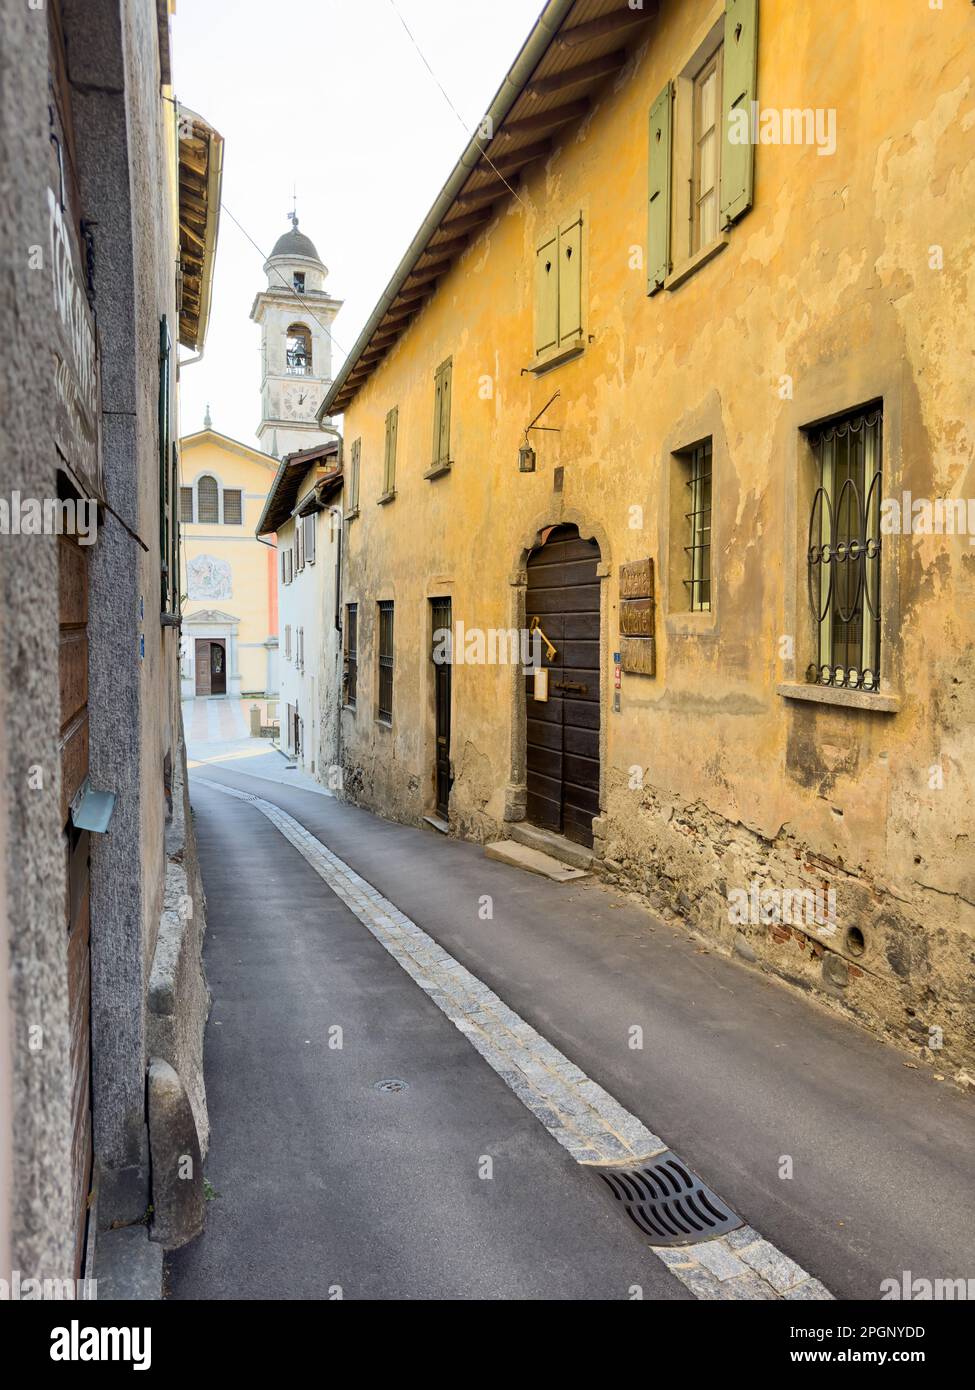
x=585 y=1119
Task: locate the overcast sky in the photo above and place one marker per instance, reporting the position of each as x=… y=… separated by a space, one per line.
x=331 y=96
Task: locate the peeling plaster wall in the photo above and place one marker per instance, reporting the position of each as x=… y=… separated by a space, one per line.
x=827 y=280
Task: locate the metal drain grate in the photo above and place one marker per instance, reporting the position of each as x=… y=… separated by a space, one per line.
x=668 y=1203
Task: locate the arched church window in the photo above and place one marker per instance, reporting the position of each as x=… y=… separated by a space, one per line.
x=207 y=500
x=298 y=350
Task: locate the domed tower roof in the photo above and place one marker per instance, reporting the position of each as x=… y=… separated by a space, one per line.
x=295 y=243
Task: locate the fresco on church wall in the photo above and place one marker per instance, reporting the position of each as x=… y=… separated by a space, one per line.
x=209 y=577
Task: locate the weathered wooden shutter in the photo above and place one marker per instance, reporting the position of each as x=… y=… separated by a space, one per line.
x=310 y=539
x=165 y=399
x=354 y=479
x=447 y=374
x=570 y=282
x=658 y=233
x=547 y=294
x=284 y=567
x=389 y=469
x=738 y=87
x=437 y=412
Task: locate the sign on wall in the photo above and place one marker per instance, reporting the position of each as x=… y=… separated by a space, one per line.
x=638 y=650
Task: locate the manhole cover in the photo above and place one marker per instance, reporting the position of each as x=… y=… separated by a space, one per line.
x=668 y=1203
x=392 y=1085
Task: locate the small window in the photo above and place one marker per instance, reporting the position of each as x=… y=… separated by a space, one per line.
x=299 y=281
x=208 y=501
x=186 y=505
x=233 y=507
x=697 y=582
x=707 y=153
x=385 y=704
x=844 y=551
x=351 y=673
x=298 y=358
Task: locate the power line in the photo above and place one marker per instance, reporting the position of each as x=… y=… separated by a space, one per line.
x=453 y=108
x=289 y=287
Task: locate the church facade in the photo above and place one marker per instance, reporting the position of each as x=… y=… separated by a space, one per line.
x=228 y=581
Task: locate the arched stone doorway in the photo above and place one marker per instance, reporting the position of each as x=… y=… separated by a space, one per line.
x=563 y=731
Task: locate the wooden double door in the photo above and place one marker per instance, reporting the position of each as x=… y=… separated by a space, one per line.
x=211 y=666
x=563 y=730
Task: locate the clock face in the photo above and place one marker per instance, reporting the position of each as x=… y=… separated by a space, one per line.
x=299 y=404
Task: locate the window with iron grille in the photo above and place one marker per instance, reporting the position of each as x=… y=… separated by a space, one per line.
x=233 y=507
x=698 y=550
x=351 y=654
x=385 y=704
x=844 y=551
x=186 y=505
x=207 y=501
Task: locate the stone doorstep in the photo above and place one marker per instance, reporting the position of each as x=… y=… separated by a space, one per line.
x=437 y=823
x=548 y=842
x=522 y=857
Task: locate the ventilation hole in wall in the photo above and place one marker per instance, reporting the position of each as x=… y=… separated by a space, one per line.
x=855 y=943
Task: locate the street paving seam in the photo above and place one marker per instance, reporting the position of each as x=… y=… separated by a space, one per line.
x=585 y=1119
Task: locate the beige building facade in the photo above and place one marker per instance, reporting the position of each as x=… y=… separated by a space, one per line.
x=676 y=371
x=229 y=583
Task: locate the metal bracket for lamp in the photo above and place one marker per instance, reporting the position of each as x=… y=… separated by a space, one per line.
x=91 y=809
x=526 y=454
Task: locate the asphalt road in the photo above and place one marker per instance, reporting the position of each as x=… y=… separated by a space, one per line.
x=325 y=1183
x=736 y=1074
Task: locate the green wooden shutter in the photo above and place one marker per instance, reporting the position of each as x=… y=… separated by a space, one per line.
x=354 y=478
x=446 y=384
x=570 y=282
x=739 y=88
x=437 y=412
x=392 y=430
x=658 y=235
x=547 y=294
x=165 y=412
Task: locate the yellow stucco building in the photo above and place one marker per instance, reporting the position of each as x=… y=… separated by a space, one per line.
x=229 y=578
x=722 y=255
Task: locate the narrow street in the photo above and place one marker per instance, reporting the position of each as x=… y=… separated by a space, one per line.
x=324 y=1185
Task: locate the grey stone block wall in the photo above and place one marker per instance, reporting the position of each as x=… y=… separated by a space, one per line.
x=179 y=999
x=37 y=1189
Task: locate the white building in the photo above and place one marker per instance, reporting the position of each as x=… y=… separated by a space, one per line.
x=295 y=315
x=304 y=511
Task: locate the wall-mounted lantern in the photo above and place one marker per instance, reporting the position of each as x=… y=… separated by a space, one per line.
x=526 y=454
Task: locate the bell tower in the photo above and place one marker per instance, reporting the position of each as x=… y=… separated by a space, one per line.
x=295 y=314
